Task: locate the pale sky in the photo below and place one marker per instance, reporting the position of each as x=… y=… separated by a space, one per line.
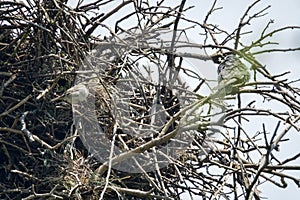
x=283 y=13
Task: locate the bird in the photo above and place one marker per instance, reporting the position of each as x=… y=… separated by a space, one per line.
x=75 y=94
x=232 y=74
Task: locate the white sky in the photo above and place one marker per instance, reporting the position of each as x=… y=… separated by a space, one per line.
x=283 y=13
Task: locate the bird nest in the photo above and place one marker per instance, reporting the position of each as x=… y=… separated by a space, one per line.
x=129 y=106
x=135 y=102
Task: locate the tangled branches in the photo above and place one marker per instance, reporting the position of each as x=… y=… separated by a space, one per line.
x=155 y=124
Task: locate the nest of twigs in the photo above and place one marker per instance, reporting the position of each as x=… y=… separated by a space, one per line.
x=42 y=155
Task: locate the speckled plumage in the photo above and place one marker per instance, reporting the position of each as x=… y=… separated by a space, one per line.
x=232 y=73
